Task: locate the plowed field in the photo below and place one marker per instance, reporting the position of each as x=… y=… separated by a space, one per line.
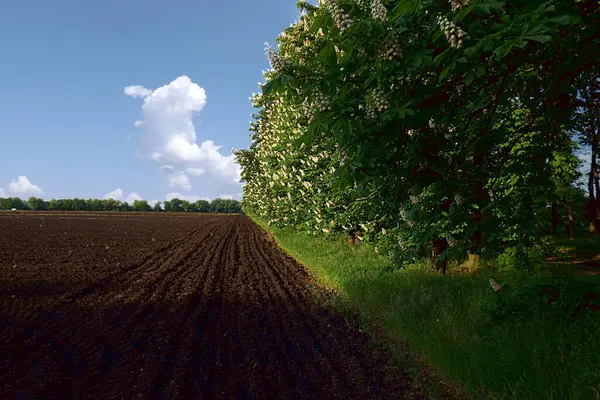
x=123 y=305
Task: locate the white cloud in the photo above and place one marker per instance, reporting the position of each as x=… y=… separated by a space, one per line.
x=180 y=180
x=194 y=171
x=116 y=194
x=169 y=135
x=193 y=199
x=153 y=202
x=131 y=197
x=137 y=91
x=236 y=196
x=22 y=185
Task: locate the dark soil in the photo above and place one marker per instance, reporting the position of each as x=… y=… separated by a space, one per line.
x=122 y=305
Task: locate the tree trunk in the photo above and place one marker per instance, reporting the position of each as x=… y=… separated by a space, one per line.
x=594 y=191
x=438 y=246
x=597 y=187
x=554 y=217
x=570 y=225
x=477 y=238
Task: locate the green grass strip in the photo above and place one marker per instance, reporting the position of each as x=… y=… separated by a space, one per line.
x=452 y=322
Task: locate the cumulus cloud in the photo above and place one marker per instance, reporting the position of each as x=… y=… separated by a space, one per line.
x=137 y=91
x=236 y=196
x=22 y=185
x=179 y=180
x=117 y=194
x=192 y=199
x=169 y=135
x=194 y=171
x=131 y=197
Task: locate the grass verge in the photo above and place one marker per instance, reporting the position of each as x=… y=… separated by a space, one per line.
x=535 y=338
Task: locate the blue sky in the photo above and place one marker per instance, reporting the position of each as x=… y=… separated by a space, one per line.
x=67 y=126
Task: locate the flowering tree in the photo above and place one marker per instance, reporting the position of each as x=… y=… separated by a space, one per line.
x=422 y=124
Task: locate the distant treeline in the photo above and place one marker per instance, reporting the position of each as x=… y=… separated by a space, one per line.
x=175 y=205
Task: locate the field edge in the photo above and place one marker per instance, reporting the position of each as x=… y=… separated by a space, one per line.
x=329 y=293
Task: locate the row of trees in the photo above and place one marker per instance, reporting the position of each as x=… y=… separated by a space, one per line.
x=428 y=125
x=175 y=205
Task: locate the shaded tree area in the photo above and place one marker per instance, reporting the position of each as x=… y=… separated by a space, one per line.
x=217 y=205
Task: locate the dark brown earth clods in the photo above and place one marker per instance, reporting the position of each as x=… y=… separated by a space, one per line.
x=121 y=305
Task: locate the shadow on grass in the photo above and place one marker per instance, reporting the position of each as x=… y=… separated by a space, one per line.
x=510 y=344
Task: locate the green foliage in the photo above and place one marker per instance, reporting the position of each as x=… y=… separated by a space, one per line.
x=174 y=205
x=433 y=121
x=521 y=258
x=204 y=206
x=8 y=203
x=35 y=203
x=141 y=205
x=219 y=205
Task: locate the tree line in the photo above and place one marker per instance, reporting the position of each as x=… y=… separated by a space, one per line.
x=217 y=205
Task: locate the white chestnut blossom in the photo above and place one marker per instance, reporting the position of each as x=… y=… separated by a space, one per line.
x=309 y=111
x=322 y=103
x=377 y=104
x=453 y=33
x=458 y=198
x=364 y=4
x=390 y=49
x=341 y=19
x=451 y=240
x=278 y=62
x=378 y=11
x=402 y=245
x=456 y=4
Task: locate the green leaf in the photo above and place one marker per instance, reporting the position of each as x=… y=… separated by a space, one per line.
x=484 y=8
x=479 y=70
x=539 y=38
x=562 y=20
x=405 y=7
x=417 y=61
x=350 y=129
x=327 y=55
x=497 y=5
x=370 y=79
x=442 y=56
x=462 y=60
x=462 y=14
x=270 y=86
x=503 y=50
x=319 y=22
x=469 y=78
